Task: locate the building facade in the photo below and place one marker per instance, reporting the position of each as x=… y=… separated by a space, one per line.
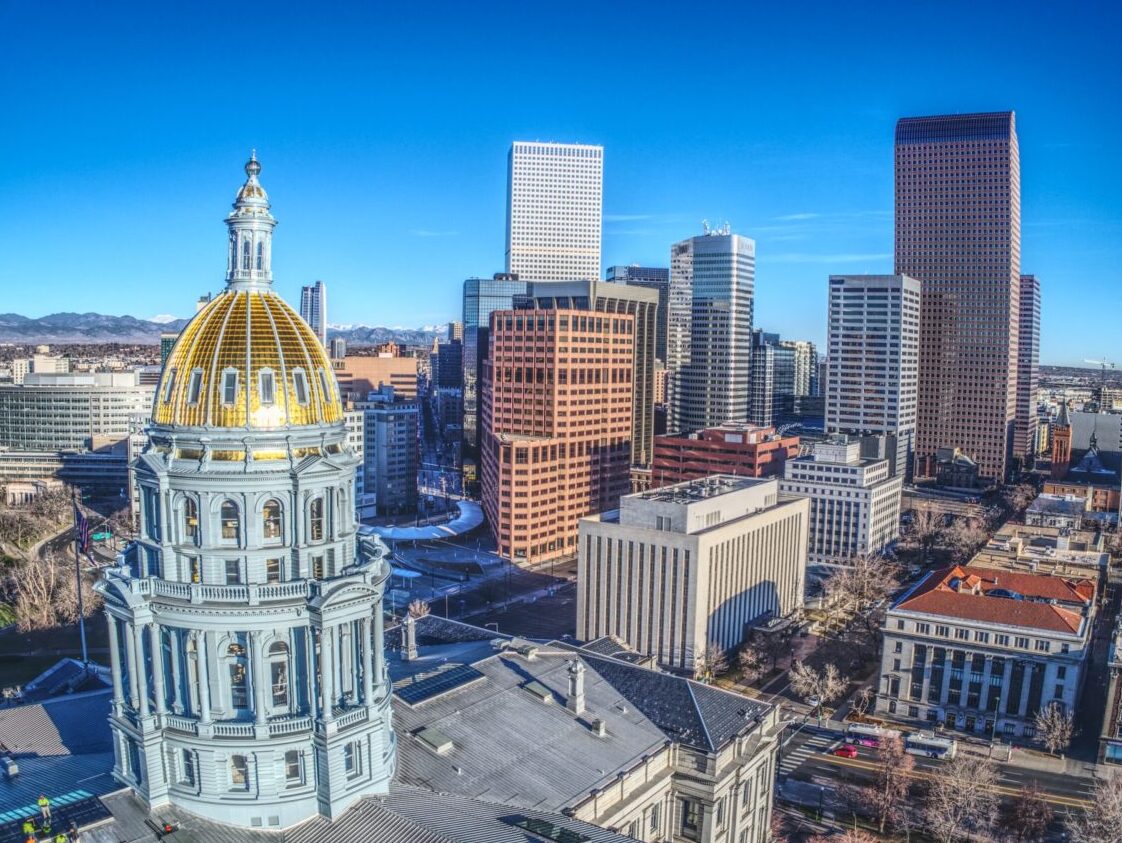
x=605 y=297
x=653 y=278
x=982 y=650
x=557 y=407
x=873 y=362
x=742 y=450
x=1110 y=739
x=709 y=339
x=313 y=309
x=360 y=375
x=675 y=569
x=1025 y=444
x=247 y=686
x=771 y=394
x=555 y=193
x=806 y=367
x=854 y=502
x=391 y=448
x=69 y=411
x=958 y=231
x=482 y=296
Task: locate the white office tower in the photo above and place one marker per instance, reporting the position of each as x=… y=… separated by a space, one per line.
x=873 y=368
x=709 y=340
x=854 y=501
x=554 y=211
x=313 y=309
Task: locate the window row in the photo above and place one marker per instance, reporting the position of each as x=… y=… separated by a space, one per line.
x=266 y=386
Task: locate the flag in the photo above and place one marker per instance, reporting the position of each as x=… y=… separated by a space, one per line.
x=81 y=531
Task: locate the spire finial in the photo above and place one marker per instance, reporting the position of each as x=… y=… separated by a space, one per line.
x=252 y=166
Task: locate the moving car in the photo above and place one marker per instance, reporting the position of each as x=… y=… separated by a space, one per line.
x=846 y=750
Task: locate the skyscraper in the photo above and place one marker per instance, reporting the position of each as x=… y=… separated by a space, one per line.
x=313 y=309
x=654 y=278
x=556 y=437
x=482 y=296
x=806 y=367
x=873 y=367
x=709 y=339
x=554 y=211
x=771 y=397
x=606 y=297
x=1028 y=372
x=958 y=231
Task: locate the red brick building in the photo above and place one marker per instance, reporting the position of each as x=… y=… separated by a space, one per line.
x=556 y=437
x=741 y=449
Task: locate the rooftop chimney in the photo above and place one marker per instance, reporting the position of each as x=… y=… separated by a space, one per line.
x=409 y=639
x=575 y=701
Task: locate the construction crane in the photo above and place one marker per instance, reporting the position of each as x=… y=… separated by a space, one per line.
x=1100 y=399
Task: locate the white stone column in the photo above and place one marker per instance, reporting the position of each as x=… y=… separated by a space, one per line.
x=130 y=657
x=115 y=664
x=176 y=637
x=327 y=670
x=202 y=657
x=155 y=638
x=346 y=660
x=257 y=665
x=379 y=634
x=311 y=689
x=367 y=663
x=138 y=661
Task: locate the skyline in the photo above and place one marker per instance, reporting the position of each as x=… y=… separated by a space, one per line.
x=398 y=161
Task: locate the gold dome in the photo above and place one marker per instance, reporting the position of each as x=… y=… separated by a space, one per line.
x=247 y=360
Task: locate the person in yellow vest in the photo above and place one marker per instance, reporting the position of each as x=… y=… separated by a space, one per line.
x=29 y=827
x=62 y=838
x=45 y=807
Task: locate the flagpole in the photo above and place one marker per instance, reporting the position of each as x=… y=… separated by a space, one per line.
x=78 y=583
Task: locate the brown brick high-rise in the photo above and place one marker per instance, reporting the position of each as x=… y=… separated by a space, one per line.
x=556 y=438
x=958 y=230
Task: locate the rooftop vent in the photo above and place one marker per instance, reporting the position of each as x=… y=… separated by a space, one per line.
x=435 y=740
x=599 y=728
x=539 y=691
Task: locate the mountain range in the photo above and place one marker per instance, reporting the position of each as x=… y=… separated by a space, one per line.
x=100 y=328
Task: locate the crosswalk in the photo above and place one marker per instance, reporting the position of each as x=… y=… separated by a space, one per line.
x=794 y=755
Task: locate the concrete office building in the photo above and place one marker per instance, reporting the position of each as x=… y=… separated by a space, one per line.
x=677 y=568
x=360 y=375
x=67 y=412
x=554 y=211
x=1026 y=430
x=741 y=449
x=605 y=297
x=337 y=348
x=482 y=296
x=771 y=395
x=958 y=232
x=982 y=650
x=167 y=343
x=854 y=502
x=556 y=441
x=873 y=368
x=709 y=340
x=653 y=278
x=313 y=309
x=391 y=447
x=806 y=367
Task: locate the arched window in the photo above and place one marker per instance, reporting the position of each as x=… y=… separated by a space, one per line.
x=190 y=520
x=239 y=676
x=278 y=673
x=245 y=253
x=260 y=255
x=239 y=772
x=231 y=528
x=315 y=520
x=271 y=521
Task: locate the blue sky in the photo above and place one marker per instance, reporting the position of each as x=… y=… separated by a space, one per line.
x=383 y=131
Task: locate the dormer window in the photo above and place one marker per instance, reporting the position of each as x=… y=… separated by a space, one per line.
x=266 y=386
x=195 y=386
x=300 y=385
x=229 y=386
x=328 y=393
x=169 y=386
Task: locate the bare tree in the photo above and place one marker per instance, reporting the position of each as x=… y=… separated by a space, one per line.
x=965 y=538
x=1026 y=818
x=710 y=662
x=924 y=531
x=1016 y=498
x=750 y=662
x=817 y=687
x=888 y=797
x=850 y=835
x=862 y=701
x=418 y=608
x=1101 y=822
x=43 y=593
x=1054 y=727
x=772 y=645
x=961 y=800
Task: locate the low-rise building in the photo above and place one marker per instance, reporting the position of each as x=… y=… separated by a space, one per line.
x=677 y=568
x=579 y=731
x=854 y=502
x=982 y=650
x=1064 y=512
x=741 y=449
x=1110 y=739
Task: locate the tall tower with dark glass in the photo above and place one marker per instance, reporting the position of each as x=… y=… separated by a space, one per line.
x=958 y=231
x=244 y=624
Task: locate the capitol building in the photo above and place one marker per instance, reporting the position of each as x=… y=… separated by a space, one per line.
x=252 y=694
